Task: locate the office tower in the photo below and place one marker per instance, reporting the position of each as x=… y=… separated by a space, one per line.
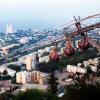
x=9 y=28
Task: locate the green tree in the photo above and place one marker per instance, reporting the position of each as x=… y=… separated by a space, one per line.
x=52 y=83
x=6 y=96
x=81 y=90
x=34 y=94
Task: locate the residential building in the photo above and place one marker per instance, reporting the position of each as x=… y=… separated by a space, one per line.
x=28 y=62
x=35 y=77
x=23 y=77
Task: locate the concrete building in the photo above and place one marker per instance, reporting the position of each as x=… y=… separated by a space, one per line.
x=23 y=40
x=93 y=68
x=9 y=28
x=74 y=69
x=31 y=77
x=44 y=59
x=86 y=63
x=23 y=77
x=5 y=51
x=94 y=61
x=42 y=51
x=47 y=49
x=26 y=77
x=10 y=72
x=28 y=62
x=91 y=61
x=97 y=61
x=79 y=64
x=19 y=77
x=38 y=77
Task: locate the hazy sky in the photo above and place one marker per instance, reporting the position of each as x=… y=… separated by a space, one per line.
x=44 y=13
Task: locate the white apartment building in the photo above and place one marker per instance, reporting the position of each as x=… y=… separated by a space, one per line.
x=44 y=59
x=74 y=69
x=10 y=72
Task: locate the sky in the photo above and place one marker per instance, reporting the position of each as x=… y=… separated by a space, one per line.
x=41 y=14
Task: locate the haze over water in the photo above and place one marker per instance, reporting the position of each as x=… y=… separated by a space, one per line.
x=41 y=14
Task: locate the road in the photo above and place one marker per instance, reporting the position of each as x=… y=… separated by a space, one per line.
x=23 y=51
